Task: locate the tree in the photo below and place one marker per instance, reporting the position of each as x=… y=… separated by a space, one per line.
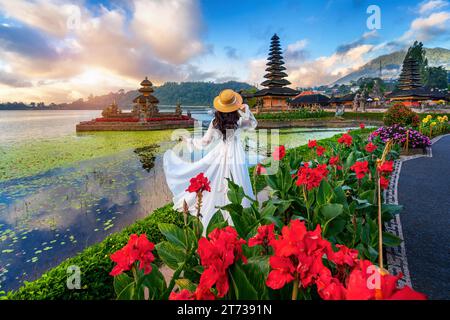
x=436 y=77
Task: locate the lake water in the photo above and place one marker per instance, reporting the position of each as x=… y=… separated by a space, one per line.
x=51 y=214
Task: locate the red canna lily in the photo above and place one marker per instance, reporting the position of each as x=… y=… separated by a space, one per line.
x=259 y=170
x=182 y=295
x=282 y=272
x=279 y=153
x=360 y=168
x=320 y=151
x=217 y=254
x=386 y=167
x=370 y=147
x=198 y=184
x=311 y=177
x=346 y=139
x=139 y=249
x=312 y=144
x=384 y=183
x=264 y=236
x=362 y=126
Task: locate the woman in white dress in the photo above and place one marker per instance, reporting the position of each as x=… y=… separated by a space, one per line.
x=225 y=159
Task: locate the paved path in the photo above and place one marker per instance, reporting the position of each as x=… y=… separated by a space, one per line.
x=424 y=191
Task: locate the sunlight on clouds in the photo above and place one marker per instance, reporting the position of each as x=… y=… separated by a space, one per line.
x=158 y=39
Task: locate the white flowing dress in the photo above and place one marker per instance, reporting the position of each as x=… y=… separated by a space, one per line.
x=226 y=159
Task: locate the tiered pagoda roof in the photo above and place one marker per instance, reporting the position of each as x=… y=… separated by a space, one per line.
x=146 y=91
x=410 y=82
x=276 y=82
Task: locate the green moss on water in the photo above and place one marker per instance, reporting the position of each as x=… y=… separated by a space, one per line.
x=37 y=156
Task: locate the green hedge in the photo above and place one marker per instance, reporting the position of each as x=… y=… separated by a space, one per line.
x=94 y=264
x=292 y=115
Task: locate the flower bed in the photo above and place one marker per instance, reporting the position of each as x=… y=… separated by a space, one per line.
x=400 y=134
x=318 y=235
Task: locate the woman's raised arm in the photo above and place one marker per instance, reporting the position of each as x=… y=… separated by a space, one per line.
x=247 y=120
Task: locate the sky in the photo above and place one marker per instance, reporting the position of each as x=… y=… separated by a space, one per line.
x=61 y=50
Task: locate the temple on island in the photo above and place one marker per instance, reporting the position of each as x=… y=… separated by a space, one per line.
x=276 y=94
x=145 y=115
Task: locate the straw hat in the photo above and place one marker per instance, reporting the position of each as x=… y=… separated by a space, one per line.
x=228 y=101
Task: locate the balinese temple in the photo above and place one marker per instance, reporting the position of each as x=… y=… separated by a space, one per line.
x=144 y=116
x=146 y=105
x=410 y=90
x=276 y=94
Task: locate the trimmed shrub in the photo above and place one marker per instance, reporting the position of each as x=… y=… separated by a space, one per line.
x=94 y=264
x=401 y=115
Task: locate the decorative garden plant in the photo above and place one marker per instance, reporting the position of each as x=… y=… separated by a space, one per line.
x=317 y=236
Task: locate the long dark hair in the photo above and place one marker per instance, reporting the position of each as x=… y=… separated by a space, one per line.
x=226 y=121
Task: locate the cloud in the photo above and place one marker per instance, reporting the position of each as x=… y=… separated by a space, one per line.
x=231 y=52
x=296 y=51
x=60 y=47
x=365 y=38
x=13 y=80
x=327 y=69
x=428 y=28
x=432 y=5
x=171 y=28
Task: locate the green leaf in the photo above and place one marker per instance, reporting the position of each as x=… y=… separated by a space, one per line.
x=391 y=240
x=217 y=221
x=170 y=254
x=243 y=289
x=121 y=282
x=324 y=193
x=128 y=292
x=174 y=234
x=257 y=270
x=331 y=210
x=155 y=283
x=235 y=192
x=186 y=284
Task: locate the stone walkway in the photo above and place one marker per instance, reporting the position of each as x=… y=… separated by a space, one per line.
x=424 y=191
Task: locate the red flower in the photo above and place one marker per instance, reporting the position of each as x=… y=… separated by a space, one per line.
x=279 y=153
x=386 y=167
x=360 y=168
x=311 y=177
x=312 y=144
x=182 y=295
x=366 y=282
x=320 y=151
x=282 y=272
x=260 y=169
x=346 y=139
x=384 y=183
x=264 y=236
x=297 y=250
x=344 y=256
x=362 y=125
x=370 y=147
x=216 y=255
x=334 y=162
x=139 y=249
x=199 y=294
x=198 y=184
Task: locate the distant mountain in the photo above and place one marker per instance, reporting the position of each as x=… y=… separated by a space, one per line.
x=391 y=65
x=170 y=93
